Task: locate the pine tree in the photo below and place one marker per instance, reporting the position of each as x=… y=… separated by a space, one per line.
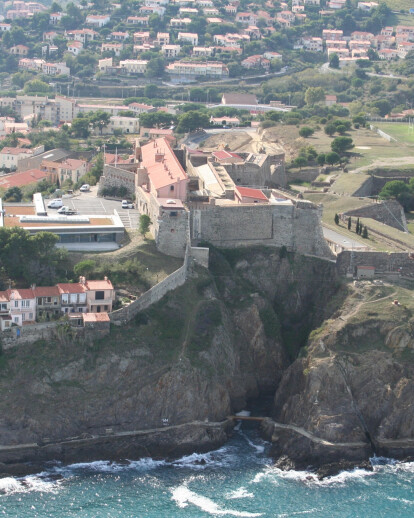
x=349 y=223
x=357 y=226
x=336 y=219
x=365 y=233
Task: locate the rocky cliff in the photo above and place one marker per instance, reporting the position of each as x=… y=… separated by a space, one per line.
x=198 y=355
x=353 y=388
x=234 y=333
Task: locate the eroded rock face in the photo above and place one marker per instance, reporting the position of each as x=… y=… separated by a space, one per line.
x=356 y=385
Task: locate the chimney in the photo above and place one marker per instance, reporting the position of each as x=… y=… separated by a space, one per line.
x=159 y=157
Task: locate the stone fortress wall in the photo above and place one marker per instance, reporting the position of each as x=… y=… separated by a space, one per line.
x=296 y=226
x=388 y=212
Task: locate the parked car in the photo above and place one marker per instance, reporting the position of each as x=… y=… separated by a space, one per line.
x=57 y=203
x=127 y=204
x=85 y=188
x=67 y=211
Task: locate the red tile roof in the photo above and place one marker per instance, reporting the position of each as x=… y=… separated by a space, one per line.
x=75 y=287
x=96 y=317
x=224 y=155
x=246 y=192
x=23 y=178
x=99 y=285
x=16 y=151
x=19 y=294
x=161 y=163
x=46 y=291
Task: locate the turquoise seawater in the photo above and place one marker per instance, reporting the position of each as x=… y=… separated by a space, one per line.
x=236 y=480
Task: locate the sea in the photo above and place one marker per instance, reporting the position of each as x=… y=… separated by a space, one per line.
x=238 y=479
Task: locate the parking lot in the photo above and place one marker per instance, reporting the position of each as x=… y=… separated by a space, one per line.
x=88 y=204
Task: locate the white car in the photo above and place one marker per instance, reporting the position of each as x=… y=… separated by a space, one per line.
x=57 y=203
x=127 y=204
x=85 y=188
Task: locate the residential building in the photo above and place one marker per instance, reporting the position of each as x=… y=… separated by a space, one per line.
x=388 y=54
x=100 y=295
x=72 y=169
x=256 y=61
x=362 y=36
x=124 y=124
x=202 y=51
x=22 y=306
x=55 y=18
x=189 y=69
x=75 y=47
x=19 y=50
x=141 y=108
x=72 y=297
x=246 y=18
x=367 y=6
x=116 y=48
x=119 y=36
x=141 y=37
x=138 y=20
x=48 y=305
x=10 y=156
x=188 y=37
x=134 y=66
x=180 y=23
x=224 y=121
x=22 y=179
x=82 y=35
x=332 y=34
x=55 y=69
x=97 y=20
x=163 y=38
x=171 y=51
x=5 y=318
x=313 y=43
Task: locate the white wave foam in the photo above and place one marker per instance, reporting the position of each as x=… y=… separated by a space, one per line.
x=184 y=496
x=402 y=500
x=241 y=492
x=27 y=484
x=146 y=463
x=258 y=447
x=275 y=475
x=219 y=458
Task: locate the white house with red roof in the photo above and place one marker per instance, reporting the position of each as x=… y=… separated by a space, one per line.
x=247 y=195
x=22 y=305
x=10 y=156
x=72 y=297
x=98 y=20
x=100 y=294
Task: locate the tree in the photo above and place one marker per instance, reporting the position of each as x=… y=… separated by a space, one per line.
x=334 y=61
x=342 y=144
x=349 y=223
x=300 y=162
x=83 y=268
x=36 y=86
x=336 y=219
x=365 y=233
x=332 y=158
x=99 y=119
x=314 y=94
x=80 y=127
x=321 y=159
x=394 y=189
x=191 y=121
x=357 y=226
x=306 y=131
x=383 y=106
x=151 y=91
x=330 y=129
x=144 y=224
x=13 y=194
x=155 y=67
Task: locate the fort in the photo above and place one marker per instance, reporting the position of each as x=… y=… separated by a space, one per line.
x=208 y=202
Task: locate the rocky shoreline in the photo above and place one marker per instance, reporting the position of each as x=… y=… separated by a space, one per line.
x=164 y=443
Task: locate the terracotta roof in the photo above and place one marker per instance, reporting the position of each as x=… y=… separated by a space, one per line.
x=99 y=285
x=165 y=171
x=246 y=192
x=96 y=317
x=224 y=155
x=46 y=291
x=19 y=294
x=23 y=178
x=16 y=151
x=75 y=287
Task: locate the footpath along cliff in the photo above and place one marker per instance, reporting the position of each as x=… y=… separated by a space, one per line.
x=228 y=335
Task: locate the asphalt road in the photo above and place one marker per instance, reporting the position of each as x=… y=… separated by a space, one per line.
x=342 y=240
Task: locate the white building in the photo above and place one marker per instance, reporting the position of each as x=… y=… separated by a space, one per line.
x=134 y=66
x=98 y=20
x=171 y=51
x=189 y=37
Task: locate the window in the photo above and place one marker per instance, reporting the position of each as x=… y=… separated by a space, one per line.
x=16 y=303
x=30 y=316
x=171 y=187
x=3 y=306
x=99 y=295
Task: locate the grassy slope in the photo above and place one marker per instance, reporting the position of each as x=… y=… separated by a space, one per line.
x=400 y=131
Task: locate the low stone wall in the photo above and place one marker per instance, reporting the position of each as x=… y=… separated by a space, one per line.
x=383 y=134
x=303 y=175
x=17 y=335
x=383 y=262
x=152 y=296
